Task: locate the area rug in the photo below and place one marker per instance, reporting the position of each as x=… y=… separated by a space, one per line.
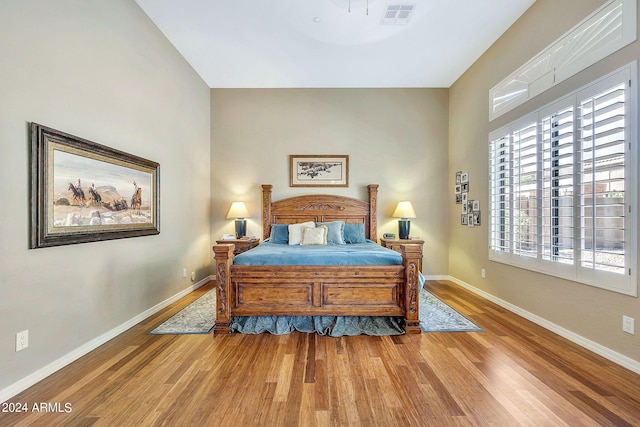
x=438 y=316
x=198 y=317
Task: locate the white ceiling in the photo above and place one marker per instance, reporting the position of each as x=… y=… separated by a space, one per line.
x=319 y=43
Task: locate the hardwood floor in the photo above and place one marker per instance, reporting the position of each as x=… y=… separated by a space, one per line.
x=514 y=373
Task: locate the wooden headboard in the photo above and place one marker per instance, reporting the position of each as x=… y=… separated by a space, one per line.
x=320 y=208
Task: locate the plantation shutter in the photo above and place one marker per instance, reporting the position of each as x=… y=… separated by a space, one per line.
x=499 y=200
x=524 y=206
x=557 y=198
x=562 y=187
x=602 y=179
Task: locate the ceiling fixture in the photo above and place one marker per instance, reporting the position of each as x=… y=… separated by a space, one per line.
x=397 y=14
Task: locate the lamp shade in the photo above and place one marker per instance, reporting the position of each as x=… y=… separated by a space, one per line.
x=238 y=210
x=404 y=210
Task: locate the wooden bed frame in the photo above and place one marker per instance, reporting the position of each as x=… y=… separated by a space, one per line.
x=367 y=290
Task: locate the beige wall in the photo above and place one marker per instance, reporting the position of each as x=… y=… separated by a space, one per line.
x=396 y=138
x=587 y=311
x=102 y=71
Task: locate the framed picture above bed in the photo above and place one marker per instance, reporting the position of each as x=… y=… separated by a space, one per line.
x=82 y=191
x=318 y=170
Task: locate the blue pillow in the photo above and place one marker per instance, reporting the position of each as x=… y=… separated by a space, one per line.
x=280 y=233
x=335 y=230
x=354 y=233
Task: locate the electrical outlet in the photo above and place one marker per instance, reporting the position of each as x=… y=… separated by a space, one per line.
x=628 y=324
x=184 y=272
x=193 y=276
x=22 y=340
x=483 y=273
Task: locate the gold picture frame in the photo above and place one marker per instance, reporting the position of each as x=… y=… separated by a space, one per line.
x=82 y=191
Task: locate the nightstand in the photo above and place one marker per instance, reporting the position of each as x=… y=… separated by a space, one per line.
x=394 y=245
x=242 y=245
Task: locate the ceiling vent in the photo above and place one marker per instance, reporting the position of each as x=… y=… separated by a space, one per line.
x=397 y=14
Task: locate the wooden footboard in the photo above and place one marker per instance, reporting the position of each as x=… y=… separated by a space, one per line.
x=316 y=290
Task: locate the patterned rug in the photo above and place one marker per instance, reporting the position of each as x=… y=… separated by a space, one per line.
x=198 y=318
x=438 y=316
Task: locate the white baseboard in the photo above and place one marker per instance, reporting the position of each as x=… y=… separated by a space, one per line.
x=438 y=277
x=607 y=353
x=60 y=363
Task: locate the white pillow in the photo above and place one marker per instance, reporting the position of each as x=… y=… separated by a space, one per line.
x=314 y=236
x=295 y=231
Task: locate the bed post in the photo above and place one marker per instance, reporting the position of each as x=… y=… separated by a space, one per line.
x=266 y=210
x=411 y=255
x=224 y=259
x=373 y=212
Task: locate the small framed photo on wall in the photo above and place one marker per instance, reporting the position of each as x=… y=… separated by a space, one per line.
x=476 y=218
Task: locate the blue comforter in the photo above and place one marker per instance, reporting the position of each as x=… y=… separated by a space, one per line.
x=368 y=253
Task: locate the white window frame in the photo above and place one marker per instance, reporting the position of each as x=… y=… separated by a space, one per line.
x=623 y=283
x=608 y=29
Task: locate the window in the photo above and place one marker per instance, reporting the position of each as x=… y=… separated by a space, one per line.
x=608 y=29
x=563 y=187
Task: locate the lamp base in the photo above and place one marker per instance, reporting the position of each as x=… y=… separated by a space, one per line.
x=403 y=228
x=241 y=227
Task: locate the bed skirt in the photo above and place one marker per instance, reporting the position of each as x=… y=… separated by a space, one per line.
x=334 y=326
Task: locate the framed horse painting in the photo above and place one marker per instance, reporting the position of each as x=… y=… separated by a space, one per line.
x=82 y=191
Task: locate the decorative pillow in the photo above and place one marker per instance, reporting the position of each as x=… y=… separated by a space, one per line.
x=280 y=233
x=314 y=236
x=354 y=233
x=335 y=229
x=295 y=231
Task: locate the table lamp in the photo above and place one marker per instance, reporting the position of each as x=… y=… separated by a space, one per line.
x=404 y=211
x=239 y=211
